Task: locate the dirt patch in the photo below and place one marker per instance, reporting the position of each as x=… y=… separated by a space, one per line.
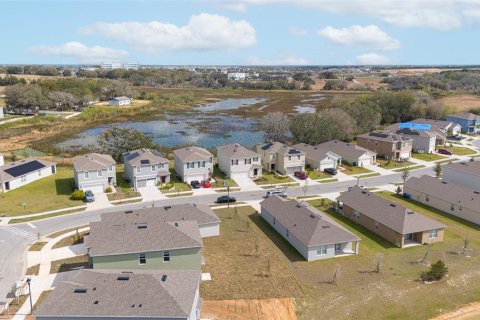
x=265 y=309
x=469 y=312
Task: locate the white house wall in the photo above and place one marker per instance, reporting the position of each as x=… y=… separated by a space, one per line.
x=210 y=230
x=31 y=177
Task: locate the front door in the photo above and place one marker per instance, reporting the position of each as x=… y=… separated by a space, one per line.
x=163 y=179
x=7 y=185
x=272 y=167
x=409 y=236
x=255 y=172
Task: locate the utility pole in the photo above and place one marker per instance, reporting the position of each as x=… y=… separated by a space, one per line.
x=30 y=294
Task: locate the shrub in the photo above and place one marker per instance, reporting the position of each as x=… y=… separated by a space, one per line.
x=78 y=195
x=436 y=272
x=167 y=186
x=108 y=190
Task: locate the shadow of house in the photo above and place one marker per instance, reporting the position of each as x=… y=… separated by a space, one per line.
x=64 y=186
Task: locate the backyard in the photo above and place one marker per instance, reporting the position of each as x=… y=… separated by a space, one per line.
x=50 y=193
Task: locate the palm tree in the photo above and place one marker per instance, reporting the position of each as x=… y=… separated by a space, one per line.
x=438 y=170
x=405 y=174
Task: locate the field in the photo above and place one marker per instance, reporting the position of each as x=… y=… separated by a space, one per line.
x=462 y=102
x=265 y=309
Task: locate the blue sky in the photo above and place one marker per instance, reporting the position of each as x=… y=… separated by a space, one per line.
x=244 y=32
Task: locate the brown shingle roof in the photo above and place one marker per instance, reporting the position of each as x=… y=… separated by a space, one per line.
x=193 y=154
x=310 y=226
x=345 y=149
x=235 y=150
x=151 y=294
x=392 y=215
x=93 y=161
x=471 y=167
x=315 y=153
x=280 y=148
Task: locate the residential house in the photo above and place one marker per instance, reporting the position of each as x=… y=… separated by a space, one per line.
x=423 y=141
x=113 y=294
x=447 y=127
x=386 y=144
x=120 y=101
x=469 y=122
x=94 y=171
x=22 y=172
x=319 y=158
x=145 y=168
x=279 y=157
x=234 y=160
x=448 y=197
x=193 y=163
x=350 y=152
x=463 y=173
x=144 y=240
x=311 y=232
x=399 y=225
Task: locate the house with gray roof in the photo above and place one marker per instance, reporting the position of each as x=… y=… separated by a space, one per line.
x=234 y=160
x=311 y=232
x=468 y=121
x=386 y=144
x=120 y=101
x=449 y=197
x=279 y=157
x=393 y=222
x=22 y=172
x=465 y=173
x=423 y=141
x=444 y=126
x=94 y=172
x=146 y=168
x=350 y=152
x=193 y=163
x=115 y=294
x=319 y=158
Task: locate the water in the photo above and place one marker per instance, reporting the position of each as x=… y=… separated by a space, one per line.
x=229 y=104
x=305 y=108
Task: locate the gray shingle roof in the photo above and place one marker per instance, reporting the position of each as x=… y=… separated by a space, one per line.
x=141 y=156
x=447 y=191
x=310 y=226
x=193 y=154
x=122 y=233
x=441 y=124
x=27 y=166
x=465 y=116
x=235 y=150
x=471 y=167
x=384 y=136
x=315 y=153
x=345 y=149
x=392 y=215
x=144 y=294
x=280 y=148
x=122 y=98
x=93 y=161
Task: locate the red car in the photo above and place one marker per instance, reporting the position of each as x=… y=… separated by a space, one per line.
x=301 y=175
x=444 y=151
x=206 y=184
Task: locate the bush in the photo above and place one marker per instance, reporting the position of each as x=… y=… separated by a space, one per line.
x=78 y=195
x=108 y=190
x=436 y=272
x=167 y=186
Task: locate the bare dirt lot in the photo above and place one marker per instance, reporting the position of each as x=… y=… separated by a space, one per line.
x=470 y=312
x=265 y=309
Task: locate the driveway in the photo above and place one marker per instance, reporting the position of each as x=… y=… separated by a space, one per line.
x=246 y=184
x=151 y=193
x=101 y=201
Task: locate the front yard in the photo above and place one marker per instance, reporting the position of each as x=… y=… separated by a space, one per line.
x=315 y=174
x=175 y=184
x=220 y=179
x=351 y=170
x=391 y=164
x=50 y=193
x=427 y=156
x=270 y=178
x=460 y=151
x=124 y=189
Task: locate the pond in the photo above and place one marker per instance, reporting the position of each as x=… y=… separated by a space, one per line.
x=306 y=108
x=229 y=104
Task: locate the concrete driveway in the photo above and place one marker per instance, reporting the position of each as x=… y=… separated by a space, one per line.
x=151 y=193
x=101 y=201
x=246 y=184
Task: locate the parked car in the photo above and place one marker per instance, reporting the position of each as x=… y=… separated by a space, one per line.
x=226 y=199
x=195 y=184
x=456 y=137
x=301 y=175
x=89 y=197
x=330 y=171
x=276 y=192
x=206 y=184
x=444 y=151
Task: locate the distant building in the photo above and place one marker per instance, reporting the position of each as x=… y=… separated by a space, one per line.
x=237 y=76
x=23 y=172
x=468 y=121
x=120 y=101
x=120 y=65
x=423 y=141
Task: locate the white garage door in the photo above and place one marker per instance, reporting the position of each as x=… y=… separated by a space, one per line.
x=363 y=163
x=234 y=175
x=94 y=189
x=404 y=155
x=327 y=165
x=199 y=178
x=141 y=183
x=151 y=182
x=292 y=170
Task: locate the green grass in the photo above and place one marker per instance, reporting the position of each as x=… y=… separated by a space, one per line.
x=447 y=160
x=69 y=264
x=315 y=174
x=391 y=164
x=33 y=270
x=351 y=170
x=220 y=179
x=124 y=189
x=178 y=184
x=328 y=180
x=370 y=175
x=45 y=216
x=71 y=240
x=50 y=193
x=176 y=195
x=40 y=299
x=270 y=178
x=427 y=156
x=411 y=168
x=460 y=151
x=126 y=202
x=62 y=232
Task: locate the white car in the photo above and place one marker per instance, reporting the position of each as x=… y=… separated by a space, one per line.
x=276 y=192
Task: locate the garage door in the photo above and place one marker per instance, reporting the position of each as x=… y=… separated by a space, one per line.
x=151 y=182
x=234 y=175
x=141 y=183
x=404 y=155
x=292 y=170
x=363 y=163
x=327 y=165
x=94 y=189
x=192 y=178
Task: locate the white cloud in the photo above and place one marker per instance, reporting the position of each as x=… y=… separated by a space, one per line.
x=299 y=32
x=371 y=58
x=202 y=32
x=357 y=36
x=81 y=52
x=288 y=59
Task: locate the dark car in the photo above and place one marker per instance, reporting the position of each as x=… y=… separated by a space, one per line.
x=226 y=199
x=444 y=151
x=301 y=175
x=330 y=171
x=89 y=197
x=195 y=184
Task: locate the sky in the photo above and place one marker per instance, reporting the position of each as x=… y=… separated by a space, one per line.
x=244 y=32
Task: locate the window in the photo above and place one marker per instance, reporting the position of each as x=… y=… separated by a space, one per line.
x=322 y=250
x=39 y=173
x=142 y=258
x=233 y=162
x=452 y=207
x=274 y=221
x=298 y=157
x=198 y=164
x=376 y=224
x=356 y=214
x=433 y=234
x=24 y=178
x=110 y=168
x=99 y=173
x=338 y=247
x=188 y=165
x=210 y=160
x=427 y=198
x=248 y=161
x=203 y=164
x=153 y=168
x=255 y=159
x=288 y=233
x=192 y=165
x=87 y=174
x=166 y=256
x=139 y=169
x=289 y=158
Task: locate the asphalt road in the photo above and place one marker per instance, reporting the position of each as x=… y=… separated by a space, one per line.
x=15 y=239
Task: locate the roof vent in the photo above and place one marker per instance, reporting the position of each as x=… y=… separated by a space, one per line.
x=123 y=278
x=410 y=212
x=444 y=182
x=312 y=216
x=95 y=302
x=364 y=192
x=326 y=227
x=164 y=278
x=176 y=224
x=299 y=205
x=142 y=226
x=392 y=205
x=167 y=207
x=80 y=290
x=476 y=192
x=140 y=305
x=194 y=205
x=94 y=288
x=129 y=211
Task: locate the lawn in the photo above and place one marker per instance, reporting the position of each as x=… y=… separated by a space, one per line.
x=391 y=164
x=242 y=261
x=33 y=270
x=350 y=170
x=124 y=189
x=460 y=151
x=74 y=239
x=37 y=246
x=427 y=156
x=177 y=183
x=69 y=264
x=50 y=193
x=316 y=174
x=45 y=216
x=270 y=178
x=419 y=166
x=220 y=179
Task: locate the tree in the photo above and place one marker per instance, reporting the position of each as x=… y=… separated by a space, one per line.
x=364 y=112
x=62 y=100
x=275 y=125
x=438 y=170
x=116 y=141
x=436 y=272
x=405 y=174
x=26 y=96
